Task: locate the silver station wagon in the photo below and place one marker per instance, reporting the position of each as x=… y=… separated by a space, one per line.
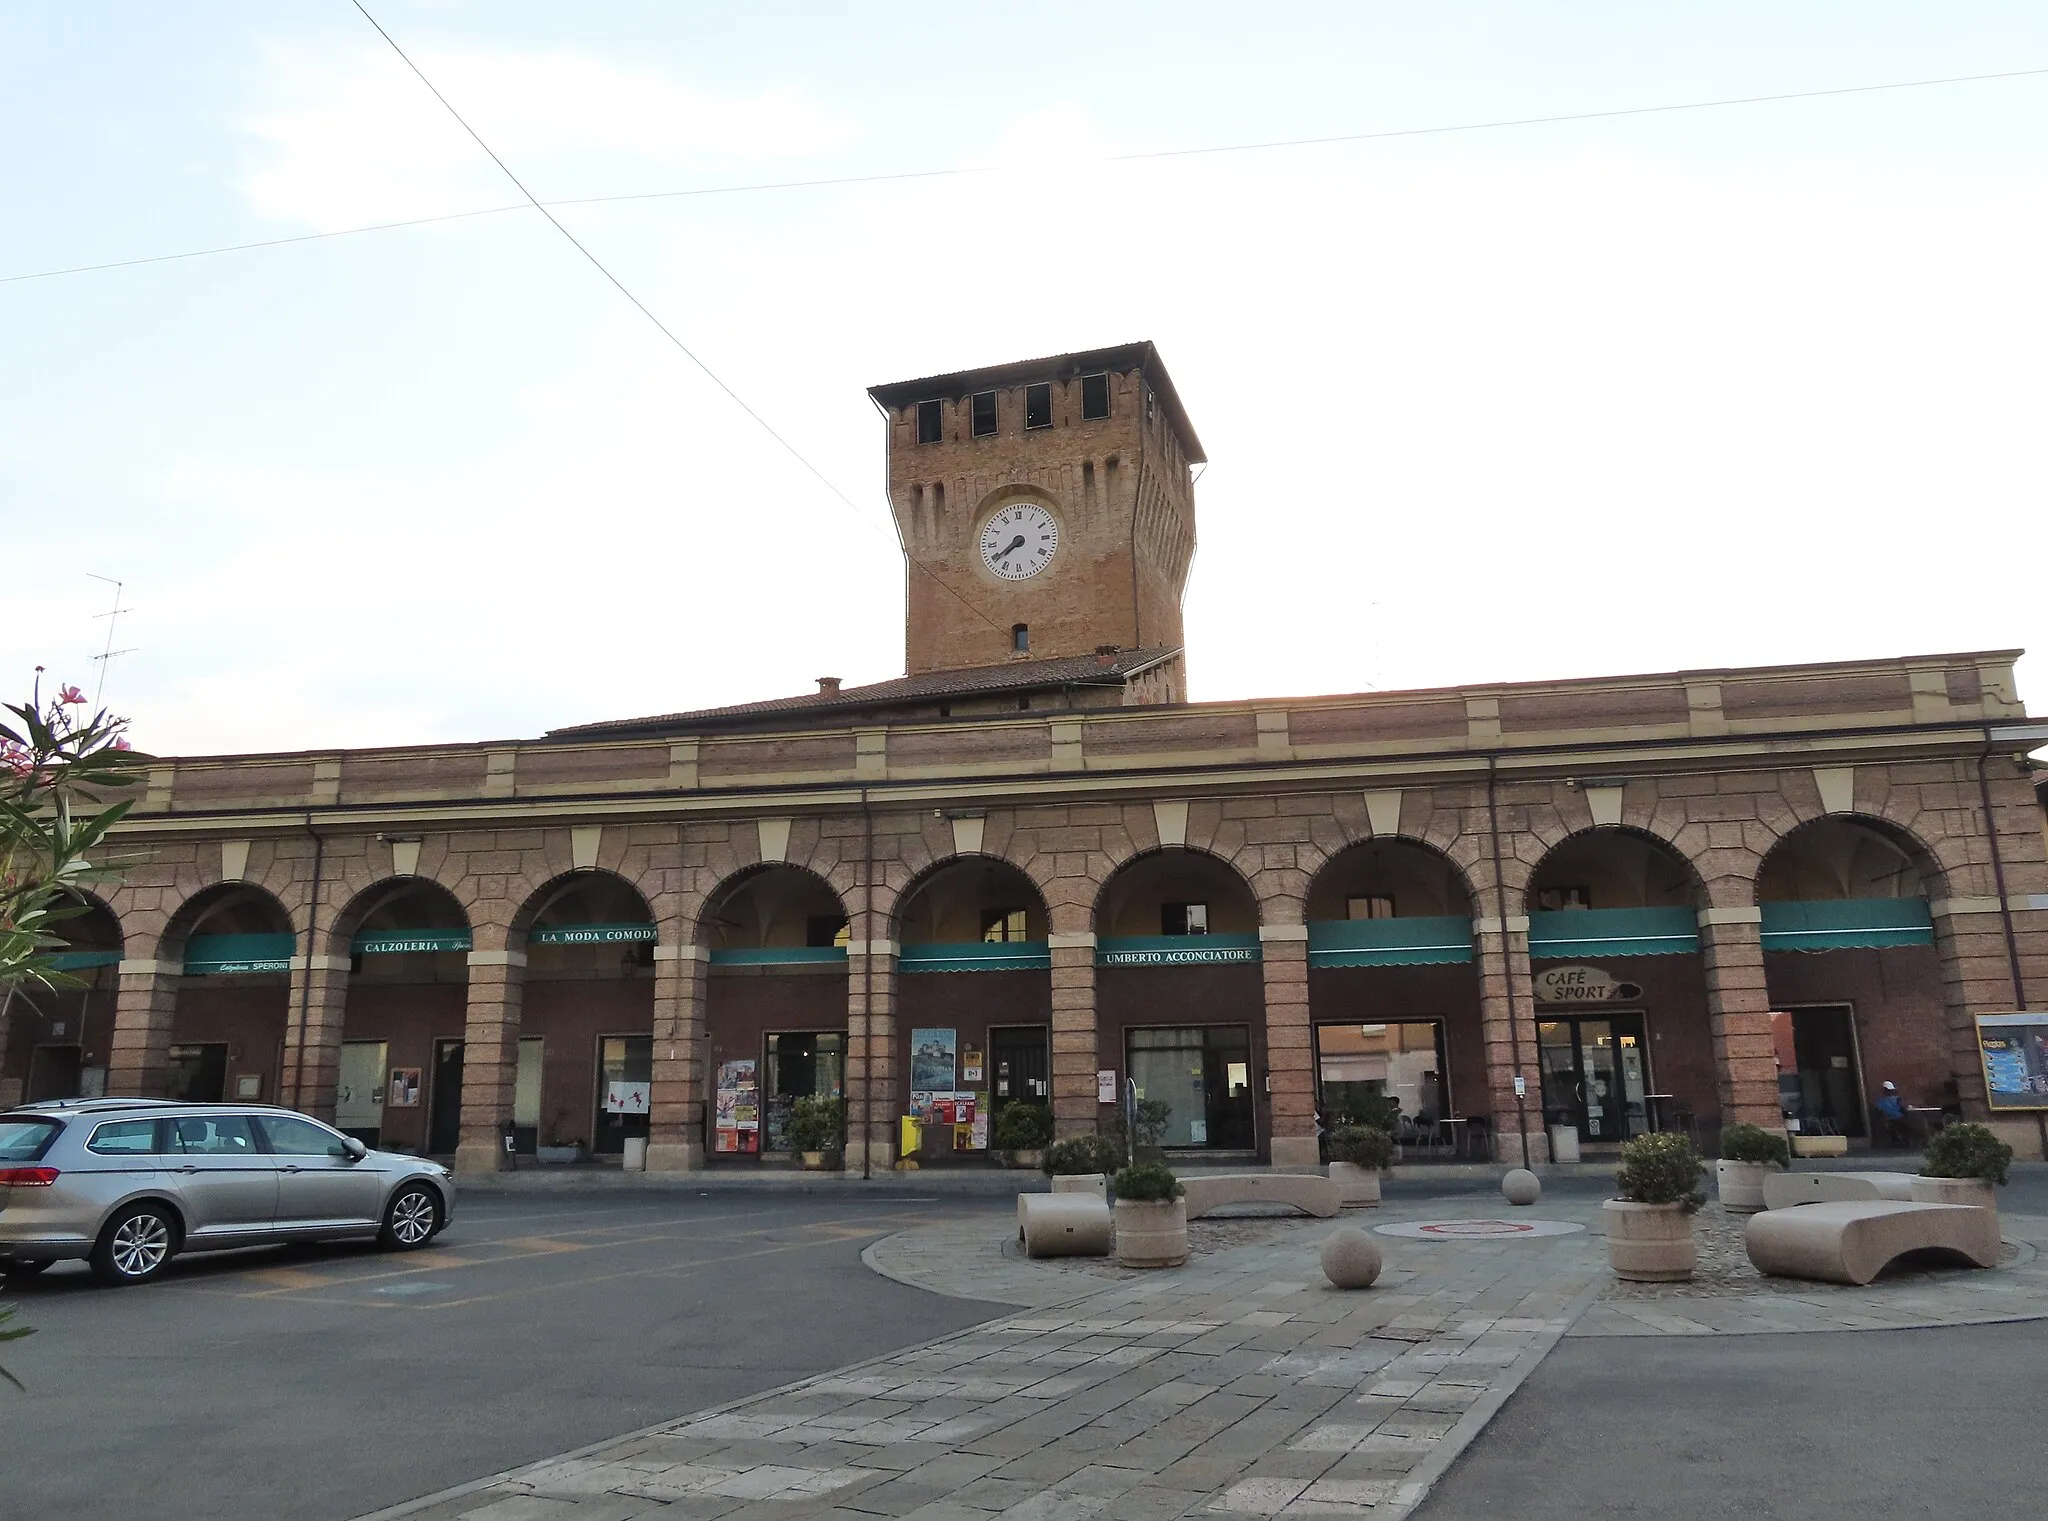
x=127 y=1184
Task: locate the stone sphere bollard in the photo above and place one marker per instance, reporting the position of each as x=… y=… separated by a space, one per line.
x=1351 y=1258
x=1521 y=1186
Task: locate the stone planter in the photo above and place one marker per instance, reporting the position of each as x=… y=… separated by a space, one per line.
x=1360 y=1186
x=1741 y=1185
x=1096 y=1183
x=819 y=1161
x=1151 y=1234
x=1031 y=1161
x=1820 y=1146
x=1955 y=1191
x=557 y=1155
x=1649 y=1243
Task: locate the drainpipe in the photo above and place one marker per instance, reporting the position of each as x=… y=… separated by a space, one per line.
x=312 y=944
x=1507 y=963
x=867 y=990
x=2012 y=944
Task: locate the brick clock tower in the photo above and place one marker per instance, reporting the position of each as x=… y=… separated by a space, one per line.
x=1047 y=509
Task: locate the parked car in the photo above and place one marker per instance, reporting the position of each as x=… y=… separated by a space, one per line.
x=127 y=1184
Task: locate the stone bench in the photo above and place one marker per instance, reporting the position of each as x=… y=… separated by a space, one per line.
x=1852 y=1241
x=1063 y=1225
x=1308 y=1192
x=1784 y=1190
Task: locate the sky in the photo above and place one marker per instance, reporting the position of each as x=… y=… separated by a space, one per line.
x=1744 y=385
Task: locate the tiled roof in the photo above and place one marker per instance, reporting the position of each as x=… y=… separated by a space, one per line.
x=1018 y=676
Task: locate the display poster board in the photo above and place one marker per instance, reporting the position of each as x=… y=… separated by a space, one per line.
x=2014 y=1049
x=932 y=1067
x=737 y=1127
x=625 y=1098
x=405 y=1088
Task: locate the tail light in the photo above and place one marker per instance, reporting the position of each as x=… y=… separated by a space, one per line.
x=27 y=1177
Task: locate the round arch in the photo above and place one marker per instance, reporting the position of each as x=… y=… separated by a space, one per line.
x=1613 y=866
x=1412 y=879
x=1843 y=856
x=584 y=897
x=51 y=1037
x=769 y=904
x=950 y=902
x=394 y=905
x=225 y=908
x=1137 y=898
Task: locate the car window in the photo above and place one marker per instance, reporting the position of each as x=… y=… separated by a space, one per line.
x=300 y=1138
x=213 y=1135
x=26 y=1140
x=124 y=1138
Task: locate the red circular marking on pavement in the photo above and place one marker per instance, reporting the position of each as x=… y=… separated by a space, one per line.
x=1475 y=1228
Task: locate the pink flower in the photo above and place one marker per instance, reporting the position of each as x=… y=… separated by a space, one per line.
x=121 y=743
x=70 y=697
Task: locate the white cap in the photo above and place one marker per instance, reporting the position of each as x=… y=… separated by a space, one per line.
x=1891 y=1087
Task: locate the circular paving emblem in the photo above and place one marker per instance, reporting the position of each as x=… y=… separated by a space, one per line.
x=1476 y=1230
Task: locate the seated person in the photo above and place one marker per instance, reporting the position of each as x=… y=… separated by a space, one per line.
x=1891 y=1118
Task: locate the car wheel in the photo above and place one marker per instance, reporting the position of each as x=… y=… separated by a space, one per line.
x=411 y=1218
x=22 y=1267
x=135 y=1245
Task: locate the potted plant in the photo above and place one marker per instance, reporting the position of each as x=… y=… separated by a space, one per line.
x=1747 y=1153
x=1151 y=1217
x=1083 y=1163
x=1962 y=1165
x=1022 y=1132
x=1360 y=1153
x=1649 y=1223
x=816 y=1130
x=560 y=1148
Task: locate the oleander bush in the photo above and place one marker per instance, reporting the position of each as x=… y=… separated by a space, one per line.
x=1753 y=1143
x=1662 y=1168
x=1147 y=1183
x=1966 y=1151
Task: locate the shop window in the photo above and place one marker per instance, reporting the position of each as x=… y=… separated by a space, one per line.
x=798 y=1065
x=1094 y=397
x=1200 y=1082
x=984 y=412
x=827 y=929
x=1551 y=899
x=1183 y=918
x=1371 y=907
x=1003 y=924
x=1038 y=406
x=930 y=421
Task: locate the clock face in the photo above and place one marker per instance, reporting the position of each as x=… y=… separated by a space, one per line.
x=1019 y=541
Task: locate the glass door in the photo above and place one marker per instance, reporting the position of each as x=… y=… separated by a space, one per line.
x=625 y=1070
x=1595 y=1075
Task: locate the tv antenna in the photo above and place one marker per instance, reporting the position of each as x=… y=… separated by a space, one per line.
x=108 y=653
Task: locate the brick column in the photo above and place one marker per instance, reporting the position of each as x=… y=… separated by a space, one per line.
x=490 y=1057
x=1290 y=1056
x=874 y=1109
x=1739 y=1014
x=1074 y=1048
x=139 y=1056
x=675 y=1120
x=1507 y=1024
x=312 y=1034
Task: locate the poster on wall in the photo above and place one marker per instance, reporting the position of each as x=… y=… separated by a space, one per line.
x=625 y=1098
x=931 y=1060
x=977 y=1136
x=738 y=1117
x=2014 y=1048
x=405 y=1088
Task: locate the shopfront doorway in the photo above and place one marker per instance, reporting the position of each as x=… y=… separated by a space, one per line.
x=796 y=1065
x=625 y=1074
x=1595 y=1075
x=359 y=1090
x=1820 y=1082
x=1203 y=1077
x=197 y=1074
x=1022 y=1066
x=444 y=1116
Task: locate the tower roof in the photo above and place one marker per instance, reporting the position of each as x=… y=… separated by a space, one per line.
x=1125 y=356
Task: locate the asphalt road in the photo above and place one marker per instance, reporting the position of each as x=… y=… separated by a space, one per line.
x=316 y=1385
x=1855 y=1426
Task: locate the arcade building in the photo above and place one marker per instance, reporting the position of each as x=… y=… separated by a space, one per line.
x=1029 y=870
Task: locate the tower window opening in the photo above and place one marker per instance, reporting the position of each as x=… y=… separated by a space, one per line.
x=1020 y=638
x=1094 y=397
x=1038 y=405
x=930 y=421
x=984 y=407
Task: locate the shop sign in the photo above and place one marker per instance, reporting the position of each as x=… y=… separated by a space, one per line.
x=1194 y=955
x=1583 y=984
x=396 y=942
x=592 y=934
x=2014 y=1048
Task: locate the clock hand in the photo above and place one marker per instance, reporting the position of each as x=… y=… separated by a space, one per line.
x=1016 y=543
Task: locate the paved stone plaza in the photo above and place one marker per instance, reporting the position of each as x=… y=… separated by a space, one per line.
x=1239 y=1385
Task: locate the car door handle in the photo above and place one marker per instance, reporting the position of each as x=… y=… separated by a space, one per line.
x=188 y=1167
x=293 y=1167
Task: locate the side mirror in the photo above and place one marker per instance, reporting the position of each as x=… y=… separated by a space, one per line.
x=356 y=1149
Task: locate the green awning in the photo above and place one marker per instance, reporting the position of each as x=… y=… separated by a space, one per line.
x=1175 y=950
x=233 y=955
x=1425 y=940
x=80 y=961
x=780 y=955
x=1847 y=924
x=1574 y=932
x=398 y=942
x=591 y=934
x=975 y=956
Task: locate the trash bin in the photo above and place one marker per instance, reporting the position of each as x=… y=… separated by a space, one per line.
x=1564 y=1143
x=636 y=1153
